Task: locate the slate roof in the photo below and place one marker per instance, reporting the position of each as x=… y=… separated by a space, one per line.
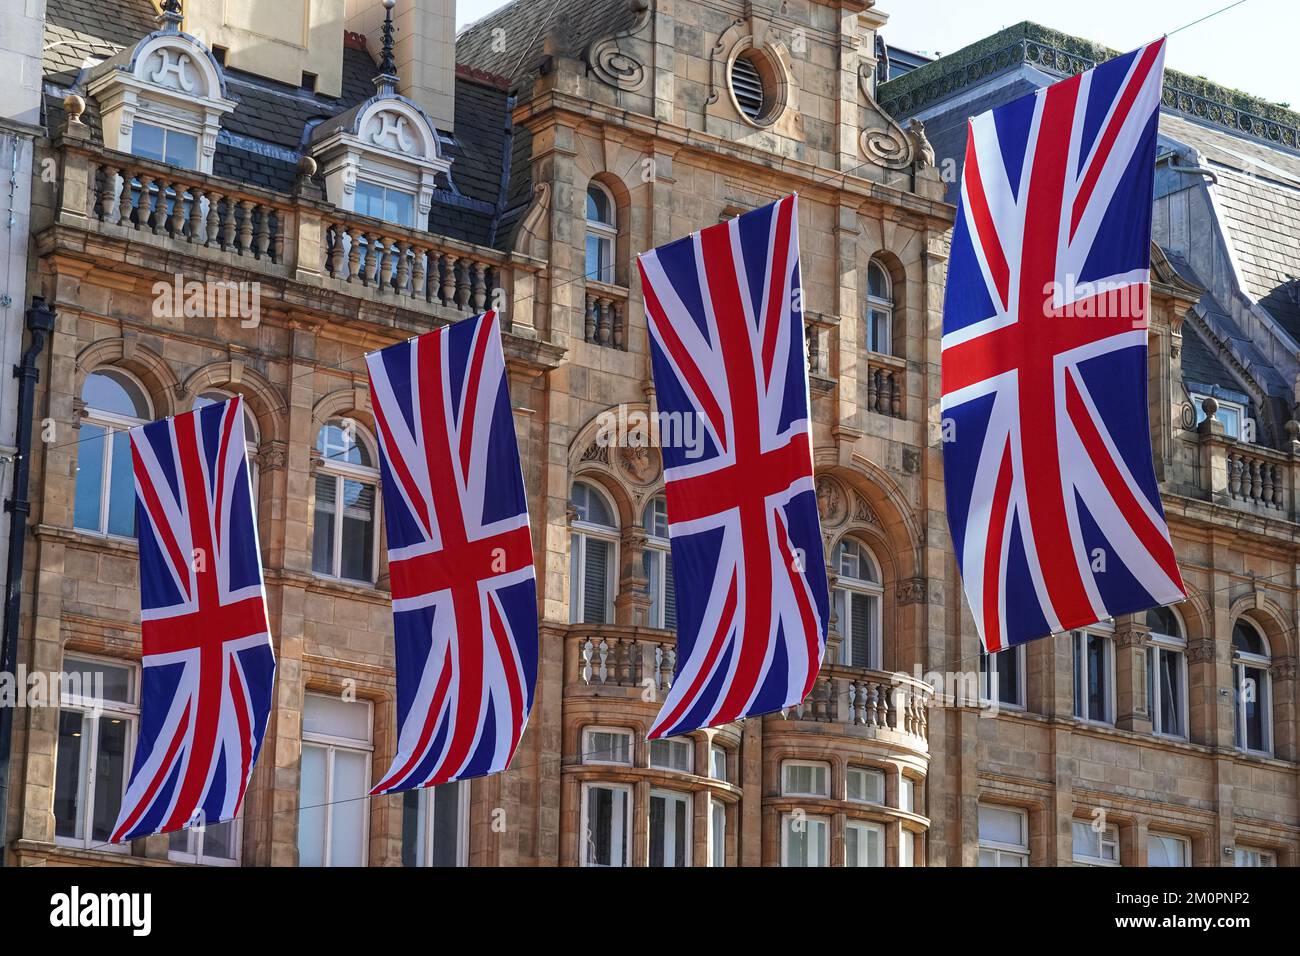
x=524 y=26
x=1259 y=197
x=261 y=140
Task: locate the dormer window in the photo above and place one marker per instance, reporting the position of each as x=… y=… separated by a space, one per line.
x=385 y=202
x=163 y=99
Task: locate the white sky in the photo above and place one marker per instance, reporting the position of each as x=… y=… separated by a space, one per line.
x=1252 y=47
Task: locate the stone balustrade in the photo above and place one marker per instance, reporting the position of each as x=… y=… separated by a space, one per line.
x=604 y=317
x=1246 y=476
x=615 y=656
x=885 y=385
x=856 y=697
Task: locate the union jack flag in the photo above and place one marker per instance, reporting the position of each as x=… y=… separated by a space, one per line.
x=460 y=555
x=727 y=349
x=206 y=647
x=1052 y=498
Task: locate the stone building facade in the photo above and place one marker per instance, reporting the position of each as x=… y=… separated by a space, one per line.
x=347 y=214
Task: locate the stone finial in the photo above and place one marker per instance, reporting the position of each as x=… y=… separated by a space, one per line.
x=305 y=184
x=386 y=81
x=1210 y=425
x=1292 y=429
x=74 y=105
x=172 y=16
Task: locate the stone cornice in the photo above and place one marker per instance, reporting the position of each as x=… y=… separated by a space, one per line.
x=561 y=108
x=1063 y=55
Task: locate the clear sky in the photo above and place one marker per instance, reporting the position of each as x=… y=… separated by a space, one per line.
x=1253 y=47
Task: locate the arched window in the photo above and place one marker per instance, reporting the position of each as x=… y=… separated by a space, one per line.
x=593 y=548
x=252 y=436
x=858 y=597
x=880 y=309
x=658 y=562
x=602 y=231
x=345 y=538
x=1250 y=664
x=105 y=495
x=1167 y=673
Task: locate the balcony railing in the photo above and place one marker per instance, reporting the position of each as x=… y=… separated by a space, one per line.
x=629 y=660
x=604 y=317
x=860 y=698
x=292 y=236
x=1248 y=477
x=885 y=385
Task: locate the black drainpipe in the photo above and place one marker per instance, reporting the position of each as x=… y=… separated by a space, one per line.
x=40 y=323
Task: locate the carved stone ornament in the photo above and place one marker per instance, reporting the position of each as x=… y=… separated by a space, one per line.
x=596 y=452
x=912 y=591
x=921 y=148
x=614 y=65
x=890 y=146
x=862 y=511
x=1202 y=652
x=832 y=504
x=639 y=463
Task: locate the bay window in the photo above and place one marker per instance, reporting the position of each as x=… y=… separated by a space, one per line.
x=670 y=828
x=805 y=840
x=864 y=843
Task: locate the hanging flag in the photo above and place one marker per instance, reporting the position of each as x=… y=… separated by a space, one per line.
x=460 y=555
x=1052 y=497
x=727 y=349
x=206 y=646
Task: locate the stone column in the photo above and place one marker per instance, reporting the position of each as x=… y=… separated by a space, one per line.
x=632 y=605
x=1132 y=709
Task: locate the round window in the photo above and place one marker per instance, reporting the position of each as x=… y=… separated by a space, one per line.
x=755 y=86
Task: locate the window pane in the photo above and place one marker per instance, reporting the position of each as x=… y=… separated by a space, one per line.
x=369 y=199
x=718 y=763
x=1171 y=693
x=805 y=841
x=446 y=824
x=718 y=837
x=862 y=620
x=1253 y=693
x=147 y=141
x=121 y=481
x=863 y=845
x=595 y=581
x=336 y=717
x=608 y=746
x=219 y=841
x=311 y=809
x=399 y=207
x=606 y=826
x=97 y=680
x=672 y=754
x=349 y=808
x=182 y=149
x=867 y=786
x=358 y=531
x=999 y=825
x=670 y=594
x=70 y=774
x=1166 y=851
x=322 y=542
x=110 y=775
x=90 y=476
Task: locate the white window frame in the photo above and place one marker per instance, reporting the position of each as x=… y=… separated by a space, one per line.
x=341 y=472
x=1108 y=836
x=1241 y=662
x=107 y=709
x=1225 y=405
x=786 y=790
x=679 y=745
x=1169 y=644
x=426 y=811
x=111 y=422
x=1079 y=658
x=580 y=532
x=196 y=839
x=824 y=844
x=169 y=127
x=670 y=797
x=868 y=773
x=627 y=823
x=999 y=849
x=1262 y=856
x=717 y=836
x=331 y=744
x=658 y=550
x=714 y=751
x=907 y=787
x=874 y=591
x=882 y=307
x=906 y=847
x=588 y=747
x=605 y=234
x=987 y=672
x=1182 y=841
x=863 y=827
x=409 y=191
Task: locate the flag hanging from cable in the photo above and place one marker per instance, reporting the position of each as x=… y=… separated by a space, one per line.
x=460 y=554
x=1052 y=498
x=728 y=356
x=208 y=665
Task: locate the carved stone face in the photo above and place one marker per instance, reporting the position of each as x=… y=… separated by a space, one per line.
x=830 y=501
x=639 y=463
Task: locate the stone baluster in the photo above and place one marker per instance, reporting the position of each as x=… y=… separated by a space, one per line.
x=124 y=208
x=384 y=271
x=245 y=227
x=108 y=193
x=212 y=228
x=229 y=223
x=197 y=196
x=262 y=238
x=584 y=656
x=449 y=279
x=354 y=254
x=480 y=286
x=419 y=289
x=403 y=267
x=176 y=221
x=589 y=320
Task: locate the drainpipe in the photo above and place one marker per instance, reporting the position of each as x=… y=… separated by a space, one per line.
x=40 y=323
